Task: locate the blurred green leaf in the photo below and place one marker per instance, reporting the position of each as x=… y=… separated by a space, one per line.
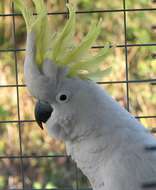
x=50 y=185
x=2 y=182
x=37 y=185
x=3 y=112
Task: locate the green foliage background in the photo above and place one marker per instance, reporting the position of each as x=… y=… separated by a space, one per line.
x=60 y=171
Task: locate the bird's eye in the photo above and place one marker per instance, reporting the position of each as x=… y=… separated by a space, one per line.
x=62 y=97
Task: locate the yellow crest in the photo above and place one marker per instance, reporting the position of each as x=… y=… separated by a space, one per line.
x=61 y=48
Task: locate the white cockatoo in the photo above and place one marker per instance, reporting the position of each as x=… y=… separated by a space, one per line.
x=108 y=144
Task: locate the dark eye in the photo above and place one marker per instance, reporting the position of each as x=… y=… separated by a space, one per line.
x=62 y=97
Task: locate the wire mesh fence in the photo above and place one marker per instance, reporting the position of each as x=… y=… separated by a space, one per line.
x=21 y=159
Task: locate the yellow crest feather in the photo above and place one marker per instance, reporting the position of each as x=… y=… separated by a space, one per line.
x=61 y=49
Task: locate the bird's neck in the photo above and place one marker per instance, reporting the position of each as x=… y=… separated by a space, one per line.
x=90 y=155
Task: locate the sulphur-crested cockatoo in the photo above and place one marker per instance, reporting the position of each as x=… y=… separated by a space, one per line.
x=108 y=144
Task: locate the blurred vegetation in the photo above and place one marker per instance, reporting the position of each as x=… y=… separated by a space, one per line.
x=60 y=171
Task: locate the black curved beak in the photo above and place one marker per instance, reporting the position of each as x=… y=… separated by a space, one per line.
x=43 y=111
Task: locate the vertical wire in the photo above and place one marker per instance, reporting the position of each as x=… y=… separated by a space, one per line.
x=126 y=55
x=17 y=92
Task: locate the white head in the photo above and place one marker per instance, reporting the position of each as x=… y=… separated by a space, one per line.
x=57 y=71
x=69 y=109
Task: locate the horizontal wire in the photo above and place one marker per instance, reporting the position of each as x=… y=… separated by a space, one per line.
x=33 y=156
x=116 y=10
x=145 y=117
x=16 y=121
x=31 y=121
x=126 y=45
x=87 y=11
x=12 y=85
x=12 y=50
x=152 y=81
x=129 y=81
x=94 y=47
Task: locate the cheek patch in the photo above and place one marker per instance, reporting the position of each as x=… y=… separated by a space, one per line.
x=61 y=128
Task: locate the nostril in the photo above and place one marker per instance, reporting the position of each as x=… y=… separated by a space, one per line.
x=43 y=111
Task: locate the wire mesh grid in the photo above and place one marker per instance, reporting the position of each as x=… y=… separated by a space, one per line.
x=21 y=157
